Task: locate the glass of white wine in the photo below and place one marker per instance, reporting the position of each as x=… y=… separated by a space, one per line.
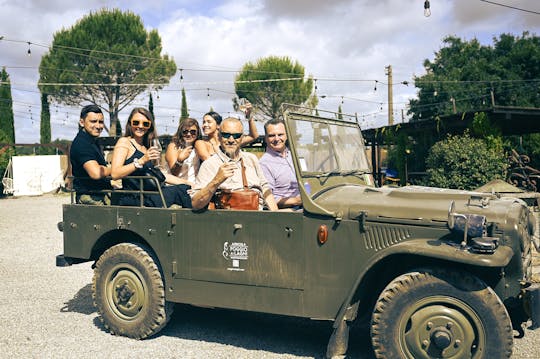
x=156 y=144
x=242 y=104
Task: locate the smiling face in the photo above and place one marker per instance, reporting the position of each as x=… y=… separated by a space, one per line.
x=276 y=137
x=139 y=125
x=190 y=134
x=231 y=128
x=93 y=123
x=209 y=125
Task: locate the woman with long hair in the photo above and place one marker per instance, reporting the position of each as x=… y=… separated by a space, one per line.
x=133 y=155
x=180 y=155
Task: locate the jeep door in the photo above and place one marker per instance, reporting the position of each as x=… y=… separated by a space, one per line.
x=257 y=248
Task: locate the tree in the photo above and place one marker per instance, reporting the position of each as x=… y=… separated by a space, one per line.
x=45 y=125
x=184 y=109
x=463 y=162
x=465 y=73
x=151 y=105
x=106 y=57
x=267 y=96
x=7 y=126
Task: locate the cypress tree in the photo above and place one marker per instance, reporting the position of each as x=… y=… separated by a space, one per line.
x=45 y=124
x=183 y=110
x=7 y=126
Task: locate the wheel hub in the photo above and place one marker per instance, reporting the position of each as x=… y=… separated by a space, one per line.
x=126 y=294
x=442 y=338
x=439 y=331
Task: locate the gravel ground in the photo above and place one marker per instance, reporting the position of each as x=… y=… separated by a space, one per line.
x=47 y=312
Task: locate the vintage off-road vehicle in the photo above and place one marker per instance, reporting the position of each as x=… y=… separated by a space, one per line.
x=436 y=273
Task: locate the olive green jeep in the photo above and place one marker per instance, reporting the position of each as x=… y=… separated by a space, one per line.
x=435 y=273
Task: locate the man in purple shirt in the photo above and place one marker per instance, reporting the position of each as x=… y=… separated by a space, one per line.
x=277 y=166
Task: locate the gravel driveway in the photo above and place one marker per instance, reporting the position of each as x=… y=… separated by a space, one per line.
x=47 y=312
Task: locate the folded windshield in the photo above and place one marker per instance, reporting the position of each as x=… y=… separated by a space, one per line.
x=328 y=147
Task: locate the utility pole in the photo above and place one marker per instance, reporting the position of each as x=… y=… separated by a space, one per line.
x=390 y=96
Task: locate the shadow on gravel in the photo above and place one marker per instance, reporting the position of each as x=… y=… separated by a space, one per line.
x=248 y=330
x=82 y=302
x=256 y=331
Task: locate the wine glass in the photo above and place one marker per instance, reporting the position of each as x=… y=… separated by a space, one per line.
x=242 y=104
x=157 y=145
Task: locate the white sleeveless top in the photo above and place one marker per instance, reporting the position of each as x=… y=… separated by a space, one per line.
x=190 y=167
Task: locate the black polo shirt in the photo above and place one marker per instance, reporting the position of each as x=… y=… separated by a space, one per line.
x=83 y=149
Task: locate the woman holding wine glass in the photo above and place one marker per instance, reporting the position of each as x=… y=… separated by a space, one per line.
x=133 y=156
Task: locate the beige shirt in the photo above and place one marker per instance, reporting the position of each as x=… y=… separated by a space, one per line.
x=254 y=173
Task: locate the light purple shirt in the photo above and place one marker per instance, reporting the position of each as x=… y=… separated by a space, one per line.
x=280 y=174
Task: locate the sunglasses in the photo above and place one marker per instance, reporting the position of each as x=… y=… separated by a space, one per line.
x=189 y=132
x=226 y=135
x=144 y=123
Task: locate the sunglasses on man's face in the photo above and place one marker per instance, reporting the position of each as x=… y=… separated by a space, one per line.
x=144 y=123
x=226 y=135
x=189 y=132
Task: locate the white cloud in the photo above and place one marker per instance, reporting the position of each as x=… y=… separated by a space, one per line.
x=341 y=39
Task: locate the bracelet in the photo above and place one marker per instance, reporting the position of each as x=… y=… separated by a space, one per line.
x=137 y=163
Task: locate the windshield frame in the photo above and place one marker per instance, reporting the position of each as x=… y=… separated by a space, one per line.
x=313 y=181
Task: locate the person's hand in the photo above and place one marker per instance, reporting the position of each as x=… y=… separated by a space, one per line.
x=184 y=153
x=152 y=154
x=225 y=171
x=248 y=109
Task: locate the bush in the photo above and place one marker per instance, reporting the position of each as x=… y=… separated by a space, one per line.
x=463 y=162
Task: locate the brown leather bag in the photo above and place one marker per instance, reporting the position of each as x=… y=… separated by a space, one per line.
x=244 y=199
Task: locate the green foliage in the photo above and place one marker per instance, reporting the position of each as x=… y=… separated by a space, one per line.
x=463 y=162
x=110 y=48
x=5 y=155
x=7 y=128
x=529 y=145
x=399 y=153
x=151 y=105
x=45 y=126
x=267 y=97
x=184 y=109
x=464 y=73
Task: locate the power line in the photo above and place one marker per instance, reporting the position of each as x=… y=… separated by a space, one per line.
x=511 y=7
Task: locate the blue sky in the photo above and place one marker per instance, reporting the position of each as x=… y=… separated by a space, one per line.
x=345 y=44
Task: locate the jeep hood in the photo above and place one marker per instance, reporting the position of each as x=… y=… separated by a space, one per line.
x=423 y=204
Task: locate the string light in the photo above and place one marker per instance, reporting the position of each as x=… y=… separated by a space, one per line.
x=427 y=10
x=29 y=52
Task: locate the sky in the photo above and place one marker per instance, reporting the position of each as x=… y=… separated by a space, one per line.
x=345 y=45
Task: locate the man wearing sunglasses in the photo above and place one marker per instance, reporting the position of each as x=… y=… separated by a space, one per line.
x=88 y=165
x=278 y=167
x=223 y=170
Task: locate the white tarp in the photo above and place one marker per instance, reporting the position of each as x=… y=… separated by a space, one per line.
x=35 y=175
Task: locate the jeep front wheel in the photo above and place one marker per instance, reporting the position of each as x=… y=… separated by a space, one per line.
x=440 y=314
x=129 y=293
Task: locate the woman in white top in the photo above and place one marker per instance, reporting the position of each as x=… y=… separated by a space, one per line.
x=181 y=157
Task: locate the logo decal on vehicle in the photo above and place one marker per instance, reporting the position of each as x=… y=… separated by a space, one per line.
x=236 y=252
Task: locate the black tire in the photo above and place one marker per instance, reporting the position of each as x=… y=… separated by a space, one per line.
x=129 y=293
x=440 y=314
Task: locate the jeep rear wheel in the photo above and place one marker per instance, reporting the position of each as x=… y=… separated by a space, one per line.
x=129 y=293
x=440 y=314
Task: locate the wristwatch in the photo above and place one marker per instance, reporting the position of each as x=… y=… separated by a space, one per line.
x=137 y=163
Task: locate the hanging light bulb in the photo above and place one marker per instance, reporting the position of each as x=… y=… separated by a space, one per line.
x=181 y=74
x=427 y=10
x=29 y=52
x=375 y=88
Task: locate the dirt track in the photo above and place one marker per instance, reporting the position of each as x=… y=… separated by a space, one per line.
x=47 y=312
